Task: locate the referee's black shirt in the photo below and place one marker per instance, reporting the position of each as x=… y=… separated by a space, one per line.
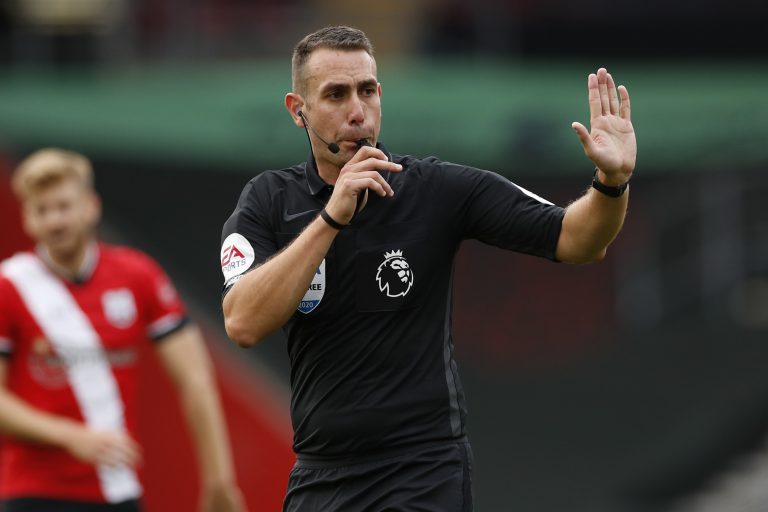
x=370 y=346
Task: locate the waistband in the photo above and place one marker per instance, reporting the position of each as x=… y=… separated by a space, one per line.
x=319 y=462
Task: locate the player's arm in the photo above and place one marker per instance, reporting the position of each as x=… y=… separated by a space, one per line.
x=266 y=297
x=185 y=358
x=20 y=420
x=593 y=221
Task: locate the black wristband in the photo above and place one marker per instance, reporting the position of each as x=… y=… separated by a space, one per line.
x=608 y=189
x=327 y=218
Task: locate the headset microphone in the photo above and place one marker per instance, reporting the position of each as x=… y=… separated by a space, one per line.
x=332 y=147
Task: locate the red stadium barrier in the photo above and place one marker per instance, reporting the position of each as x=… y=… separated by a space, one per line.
x=12 y=236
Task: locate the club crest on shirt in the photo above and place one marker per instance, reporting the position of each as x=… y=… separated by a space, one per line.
x=315 y=291
x=395 y=276
x=119 y=307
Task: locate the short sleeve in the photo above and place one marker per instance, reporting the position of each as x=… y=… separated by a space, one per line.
x=247 y=239
x=490 y=208
x=6 y=318
x=164 y=310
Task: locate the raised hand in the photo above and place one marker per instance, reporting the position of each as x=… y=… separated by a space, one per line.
x=611 y=143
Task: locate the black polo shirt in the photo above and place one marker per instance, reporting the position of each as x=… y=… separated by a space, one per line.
x=370 y=346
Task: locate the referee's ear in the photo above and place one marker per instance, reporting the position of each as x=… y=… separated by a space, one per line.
x=294 y=103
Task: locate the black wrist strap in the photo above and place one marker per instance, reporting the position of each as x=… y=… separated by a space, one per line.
x=608 y=189
x=328 y=219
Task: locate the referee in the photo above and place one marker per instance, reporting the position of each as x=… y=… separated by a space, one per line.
x=351 y=252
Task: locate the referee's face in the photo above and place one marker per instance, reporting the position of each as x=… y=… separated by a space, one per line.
x=343 y=102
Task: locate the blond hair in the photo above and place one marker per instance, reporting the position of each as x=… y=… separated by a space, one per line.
x=51 y=166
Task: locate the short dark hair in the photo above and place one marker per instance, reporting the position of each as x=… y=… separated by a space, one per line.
x=334 y=38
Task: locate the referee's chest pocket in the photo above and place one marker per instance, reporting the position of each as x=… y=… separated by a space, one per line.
x=320 y=297
x=391 y=267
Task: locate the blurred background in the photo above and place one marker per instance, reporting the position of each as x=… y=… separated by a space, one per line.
x=635 y=384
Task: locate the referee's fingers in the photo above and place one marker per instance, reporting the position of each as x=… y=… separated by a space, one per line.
x=624 y=110
x=366 y=152
x=384 y=166
x=370 y=164
x=376 y=185
x=584 y=137
x=370 y=180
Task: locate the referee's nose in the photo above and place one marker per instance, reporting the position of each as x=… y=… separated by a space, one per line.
x=356 y=115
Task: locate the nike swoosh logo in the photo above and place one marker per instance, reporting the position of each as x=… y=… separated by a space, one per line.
x=287 y=217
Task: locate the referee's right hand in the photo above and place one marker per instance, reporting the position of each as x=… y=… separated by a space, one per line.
x=359 y=174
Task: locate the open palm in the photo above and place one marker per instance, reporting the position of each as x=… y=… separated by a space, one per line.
x=611 y=144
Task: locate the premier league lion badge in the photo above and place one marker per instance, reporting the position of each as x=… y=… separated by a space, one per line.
x=394 y=275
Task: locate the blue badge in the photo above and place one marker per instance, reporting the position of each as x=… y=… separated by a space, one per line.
x=315 y=291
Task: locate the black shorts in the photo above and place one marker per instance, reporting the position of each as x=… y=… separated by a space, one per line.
x=48 y=505
x=435 y=478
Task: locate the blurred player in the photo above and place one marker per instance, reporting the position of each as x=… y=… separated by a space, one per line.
x=73 y=315
x=353 y=252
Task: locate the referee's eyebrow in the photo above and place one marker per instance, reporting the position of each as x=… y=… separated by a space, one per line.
x=345 y=87
x=368 y=82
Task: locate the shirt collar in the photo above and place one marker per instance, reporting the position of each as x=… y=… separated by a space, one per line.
x=316 y=184
x=314 y=181
x=86 y=269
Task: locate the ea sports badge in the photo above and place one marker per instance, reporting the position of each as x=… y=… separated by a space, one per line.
x=315 y=291
x=237 y=256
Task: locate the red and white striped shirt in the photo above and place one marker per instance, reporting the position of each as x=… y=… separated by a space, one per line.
x=73 y=350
